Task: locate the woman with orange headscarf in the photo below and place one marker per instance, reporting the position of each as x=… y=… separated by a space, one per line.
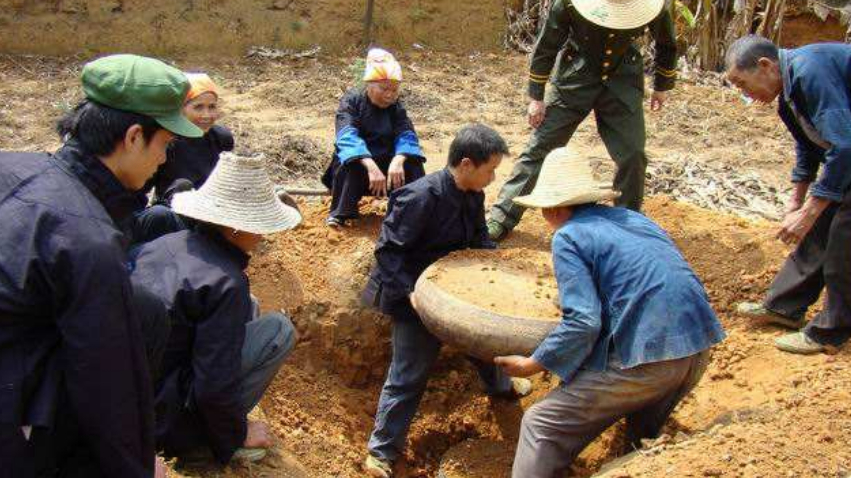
x=194 y=159
x=376 y=148
x=189 y=162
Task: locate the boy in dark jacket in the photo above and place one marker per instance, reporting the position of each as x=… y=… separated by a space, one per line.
x=75 y=398
x=426 y=220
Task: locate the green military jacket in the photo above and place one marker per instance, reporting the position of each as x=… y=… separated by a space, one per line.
x=592 y=57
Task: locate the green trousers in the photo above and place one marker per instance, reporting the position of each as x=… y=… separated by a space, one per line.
x=622 y=131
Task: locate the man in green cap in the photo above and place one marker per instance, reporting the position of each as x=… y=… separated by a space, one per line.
x=599 y=69
x=75 y=338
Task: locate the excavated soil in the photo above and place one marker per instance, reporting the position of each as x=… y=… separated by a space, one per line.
x=757 y=412
x=506 y=282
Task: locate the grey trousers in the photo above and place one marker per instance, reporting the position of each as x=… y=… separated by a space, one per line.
x=415 y=351
x=622 y=130
x=556 y=429
x=269 y=339
x=821 y=261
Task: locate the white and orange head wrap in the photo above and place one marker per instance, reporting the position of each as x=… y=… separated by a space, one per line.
x=381 y=65
x=200 y=83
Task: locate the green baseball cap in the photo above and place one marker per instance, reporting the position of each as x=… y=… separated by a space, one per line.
x=141 y=85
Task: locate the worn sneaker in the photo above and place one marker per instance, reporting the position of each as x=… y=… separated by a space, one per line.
x=335 y=222
x=521 y=386
x=378 y=468
x=800 y=343
x=496 y=231
x=249 y=455
x=759 y=312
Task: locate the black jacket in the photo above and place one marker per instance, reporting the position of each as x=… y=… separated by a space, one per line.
x=190 y=158
x=426 y=220
x=201 y=279
x=67 y=328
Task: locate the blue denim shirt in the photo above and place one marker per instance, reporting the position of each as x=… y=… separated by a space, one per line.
x=816 y=107
x=625 y=289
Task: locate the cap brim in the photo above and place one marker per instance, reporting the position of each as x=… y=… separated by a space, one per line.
x=179 y=125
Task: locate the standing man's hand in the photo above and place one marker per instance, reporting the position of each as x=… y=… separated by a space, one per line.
x=797 y=224
x=536 y=113
x=396 y=173
x=657 y=100
x=377 y=180
x=519 y=366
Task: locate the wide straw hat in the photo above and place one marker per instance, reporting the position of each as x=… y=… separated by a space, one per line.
x=566 y=179
x=619 y=14
x=240 y=195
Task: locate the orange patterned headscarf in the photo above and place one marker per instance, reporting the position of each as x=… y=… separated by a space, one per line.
x=200 y=83
x=381 y=65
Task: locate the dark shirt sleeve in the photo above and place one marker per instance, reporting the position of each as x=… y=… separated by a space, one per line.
x=827 y=103
x=349 y=143
x=102 y=350
x=664 y=33
x=550 y=41
x=406 y=141
x=223 y=138
x=567 y=347
x=401 y=232
x=808 y=157
x=216 y=367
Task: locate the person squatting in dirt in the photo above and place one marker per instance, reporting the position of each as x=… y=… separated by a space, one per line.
x=811 y=85
x=75 y=337
x=376 y=148
x=426 y=220
x=600 y=70
x=221 y=355
x=189 y=162
x=621 y=349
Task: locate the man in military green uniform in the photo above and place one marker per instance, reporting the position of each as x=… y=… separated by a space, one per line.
x=599 y=69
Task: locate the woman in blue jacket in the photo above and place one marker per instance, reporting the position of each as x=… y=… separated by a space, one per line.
x=376 y=148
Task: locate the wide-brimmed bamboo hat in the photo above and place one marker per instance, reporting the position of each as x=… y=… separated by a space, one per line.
x=240 y=195
x=566 y=179
x=619 y=14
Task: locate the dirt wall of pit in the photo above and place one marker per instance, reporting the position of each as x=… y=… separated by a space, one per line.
x=229 y=27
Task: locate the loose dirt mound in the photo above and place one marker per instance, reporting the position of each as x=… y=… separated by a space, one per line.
x=735 y=258
x=231 y=27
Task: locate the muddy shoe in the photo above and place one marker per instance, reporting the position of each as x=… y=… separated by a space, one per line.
x=800 y=343
x=496 y=231
x=759 y=312
x=377 y=468
x=335 y=222
x=249 y=455
x=521 y=387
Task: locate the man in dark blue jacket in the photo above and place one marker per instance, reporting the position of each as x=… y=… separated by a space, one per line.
x=814 y=101
x=75 y=389
x=426 y=220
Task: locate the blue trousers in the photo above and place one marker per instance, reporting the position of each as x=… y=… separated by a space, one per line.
x=415 y=351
